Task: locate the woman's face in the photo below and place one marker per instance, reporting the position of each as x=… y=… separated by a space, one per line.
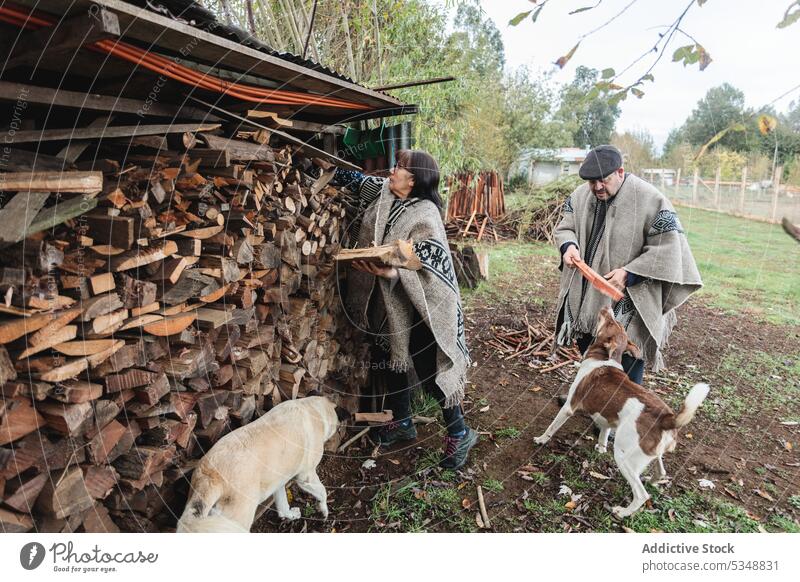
x=401 y=181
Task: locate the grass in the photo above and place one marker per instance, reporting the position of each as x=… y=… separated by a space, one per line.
x=747 y=266
x=774 y=380
x=505 y=261
x=508 y=433
x=493 y=485
x=416 y=508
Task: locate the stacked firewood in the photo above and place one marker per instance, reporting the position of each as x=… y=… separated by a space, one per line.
x=148 y=309
x=480 y=194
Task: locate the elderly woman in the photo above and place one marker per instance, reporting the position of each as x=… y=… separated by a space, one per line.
x=414 y=317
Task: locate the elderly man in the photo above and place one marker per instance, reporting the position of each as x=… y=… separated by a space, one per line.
x=625 y=229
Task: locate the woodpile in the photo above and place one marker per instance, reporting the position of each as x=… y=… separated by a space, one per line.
x=475 y=202
x=150 y=307
x=470 y=193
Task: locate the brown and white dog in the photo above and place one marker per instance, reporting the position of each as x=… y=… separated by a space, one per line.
x=645 y=426
x=247 y=466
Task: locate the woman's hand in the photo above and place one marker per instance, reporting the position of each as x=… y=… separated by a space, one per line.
x=325 y=165
x=373 y=269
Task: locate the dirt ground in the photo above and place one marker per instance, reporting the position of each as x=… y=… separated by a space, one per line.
x=736 y=467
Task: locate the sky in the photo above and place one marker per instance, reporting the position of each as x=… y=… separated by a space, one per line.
x=749 y=52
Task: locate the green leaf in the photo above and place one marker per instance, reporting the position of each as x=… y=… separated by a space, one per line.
x=638 y=92
x=536 y=13
x=608 y=73
x=682 y=53
x=701 y=2
x=584 y=9
x=791 y=15
x=520 y=17
x=648 y=77
x=562 y=61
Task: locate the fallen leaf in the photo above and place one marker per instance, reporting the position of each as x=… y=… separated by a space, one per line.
x=535 y=389
x=369 y=464
x=671 y=514
x=788 y=446
x=597 y=475
x=626 y=529
x=484 y=409
x=394 y=461
x=689 y=435
x=752 y=516
x=706 y=483
x=466 y=503
x=764 y=495
x=565 y=490
x=570 y=505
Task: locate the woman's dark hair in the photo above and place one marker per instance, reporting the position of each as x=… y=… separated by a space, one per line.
x=426 y=174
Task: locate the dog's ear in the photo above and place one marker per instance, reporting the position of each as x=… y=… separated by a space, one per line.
x=633 y=350
x=342 y=414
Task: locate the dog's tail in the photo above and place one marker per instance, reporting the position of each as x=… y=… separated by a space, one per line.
x=206 y=491
x=693 y=401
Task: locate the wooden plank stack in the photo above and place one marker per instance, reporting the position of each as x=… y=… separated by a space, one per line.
x=148 y=309
x=478 y=194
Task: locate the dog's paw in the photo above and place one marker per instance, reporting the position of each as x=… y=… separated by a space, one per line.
x=323 y=509
x=541 y=440
x=294 y=513
x=600 y=448
x=620 y=512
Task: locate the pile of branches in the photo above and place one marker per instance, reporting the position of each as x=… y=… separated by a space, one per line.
x=540 y=213
x=531 y=343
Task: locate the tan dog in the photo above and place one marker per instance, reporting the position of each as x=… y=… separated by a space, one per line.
x=248 y=465
x=645 y=426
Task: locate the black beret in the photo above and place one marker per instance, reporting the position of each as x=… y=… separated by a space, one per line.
x=600 y=162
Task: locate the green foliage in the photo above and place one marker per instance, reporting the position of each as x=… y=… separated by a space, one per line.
x=638 y=149
x=587 y=117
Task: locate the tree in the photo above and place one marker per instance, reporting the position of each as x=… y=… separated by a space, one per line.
x=591 y=121
x=722 y=107
x=637 y=147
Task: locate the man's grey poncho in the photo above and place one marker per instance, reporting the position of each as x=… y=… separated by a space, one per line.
x=432 y=291
x=643 y=236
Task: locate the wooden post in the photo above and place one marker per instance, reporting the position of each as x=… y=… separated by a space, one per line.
x=695 y=182
x=716 y=187
x=742 y=191
x=677 y=182
x=776 y=182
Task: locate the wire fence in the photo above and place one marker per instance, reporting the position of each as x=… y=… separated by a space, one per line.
x=766 y=200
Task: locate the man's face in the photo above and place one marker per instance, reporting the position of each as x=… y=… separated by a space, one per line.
x=608 y=186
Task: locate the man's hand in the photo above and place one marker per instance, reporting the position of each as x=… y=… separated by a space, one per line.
x=570 y=255
x=373 y=269
x=618 y=278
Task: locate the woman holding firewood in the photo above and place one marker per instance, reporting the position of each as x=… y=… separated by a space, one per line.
x=414 y=316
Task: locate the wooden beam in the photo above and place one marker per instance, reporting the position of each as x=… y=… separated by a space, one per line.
x=61 y=212
x=65 y=37
x=96 y=102
x=36 y=135
x=79 y=182
x=303 y=146
x=18 y=214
